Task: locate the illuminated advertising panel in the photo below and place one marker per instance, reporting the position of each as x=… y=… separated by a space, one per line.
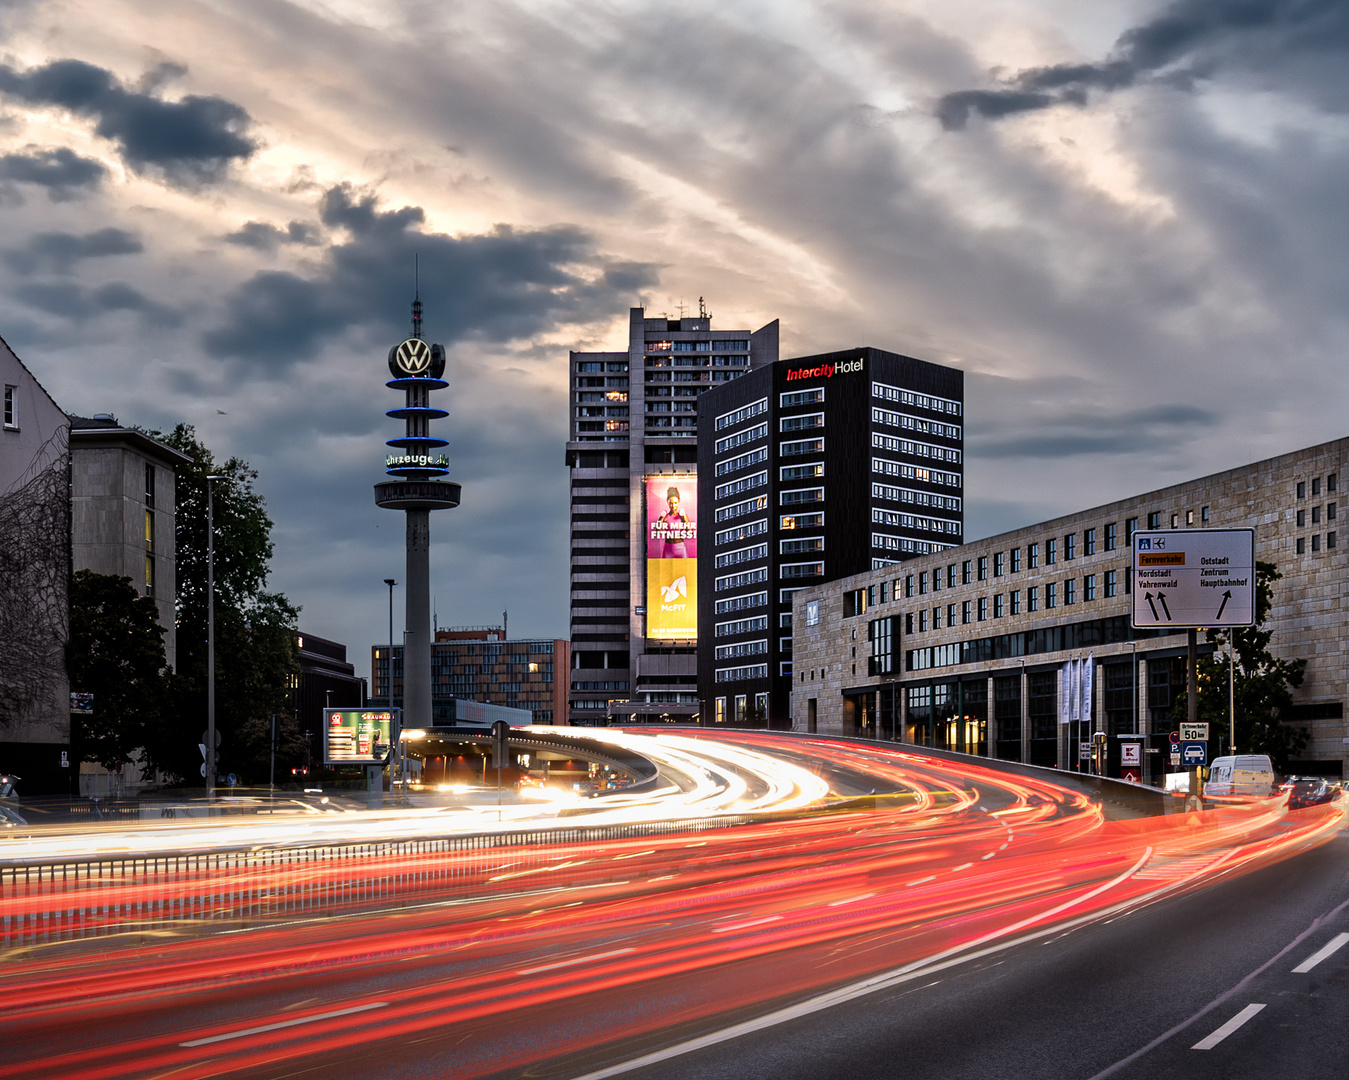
x=672 y=557
x=358 y=736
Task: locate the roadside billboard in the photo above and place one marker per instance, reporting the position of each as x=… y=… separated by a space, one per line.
x=358 y=736
x=672 y=557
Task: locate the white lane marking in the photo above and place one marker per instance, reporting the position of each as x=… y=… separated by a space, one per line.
x=1227 y=1029
x=743 y=925
x=920 y=881
x=962 y=866
x=988 y=856
x=284 y=1024
x=992 y=942
x=574 y=960
x=1335 y=945
x=850 y=900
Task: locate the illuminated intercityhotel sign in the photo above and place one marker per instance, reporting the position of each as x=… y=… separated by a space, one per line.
x=827 y=371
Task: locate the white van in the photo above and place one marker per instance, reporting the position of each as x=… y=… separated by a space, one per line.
x=1244 y=774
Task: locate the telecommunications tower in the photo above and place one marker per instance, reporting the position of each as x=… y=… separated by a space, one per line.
x=417 y=367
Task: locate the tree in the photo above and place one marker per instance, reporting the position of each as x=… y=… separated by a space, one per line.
x=1262 y=683
x=116 y=653
x=255 y=630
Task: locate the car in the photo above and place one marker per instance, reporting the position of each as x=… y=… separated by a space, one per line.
x=1306 y=791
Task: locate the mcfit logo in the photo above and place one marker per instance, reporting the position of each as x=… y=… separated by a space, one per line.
x=827 y=371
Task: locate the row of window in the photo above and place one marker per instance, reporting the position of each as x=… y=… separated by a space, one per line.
x=978 y=609
x=1332 y=482
x=1316 y=543
x=886 y=392
x=1316 y=515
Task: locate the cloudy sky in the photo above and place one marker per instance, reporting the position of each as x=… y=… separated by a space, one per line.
x=1125 y=220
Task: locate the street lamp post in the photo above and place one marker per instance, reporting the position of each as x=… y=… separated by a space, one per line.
x=388 y=678
x=210 y=635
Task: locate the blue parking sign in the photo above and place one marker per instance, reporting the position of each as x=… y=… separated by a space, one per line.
x=1194 y=753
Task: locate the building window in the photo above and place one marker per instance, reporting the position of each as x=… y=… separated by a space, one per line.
x=1111 y=582
x=1032 y=555
x=801 y=423
x=740 y=703
x=1316 y=515
x=999 y=606
x=1203 y=514
x=1301 y=519
x=1175 y=521
x=802 y=521
x=1316 y=486
x=1070 y=546
x=983 y=567
x=1016 y=601
x=950 y=614
x=922 y=620
x=1089 y=587
x=1301 y=489
x=1330 y=511
x=1089 y=542
x=999 y=560
x=983 y=608
x=936 y=618
x=1070 y=591
x=1316 y=541
x=1130 y=527
x=11 y=407
x=908 y=622
x=1111 y=534
x=1330 y=540
x=965 y=572
x=1016 y=560
x=922 y=579
x=1051 y=595
x=854 y=603
x=966 y=609
x=1330 y=482
x=1155 y=520
x=908 y=586
x=1301 y=546
x=1051 y=551
x=1033 y=598
x=1189 y=518
x=951 y=576
x=150 y=486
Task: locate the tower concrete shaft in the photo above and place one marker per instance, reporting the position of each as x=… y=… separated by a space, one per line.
x=417 y=642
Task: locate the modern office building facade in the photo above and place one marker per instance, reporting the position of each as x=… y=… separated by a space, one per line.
x=480 y=665
x=979 y=648
x=814 y=468
x=325 y=681
x=632 y=456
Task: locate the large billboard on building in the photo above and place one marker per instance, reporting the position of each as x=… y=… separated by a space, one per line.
x=672 y=557
x=358 y=736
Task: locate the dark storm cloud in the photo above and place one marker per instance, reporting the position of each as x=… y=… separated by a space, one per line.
x=263 y=236
x=1159 y=428
x=189 y=141
x=78 y=304
x=59 y=251
x=502 y=285
x=1187 y=40
x=64 y=173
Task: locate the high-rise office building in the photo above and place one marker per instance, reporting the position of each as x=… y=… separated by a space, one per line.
x=633 y=458
x=813 y=469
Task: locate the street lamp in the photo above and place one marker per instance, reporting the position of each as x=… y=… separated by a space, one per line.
x=210 y=635
x=388 y=679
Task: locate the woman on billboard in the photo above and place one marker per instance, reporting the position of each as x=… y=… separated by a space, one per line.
x=670 y=530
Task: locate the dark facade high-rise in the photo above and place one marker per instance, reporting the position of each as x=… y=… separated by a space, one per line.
x=813 y=468
x=632 y=454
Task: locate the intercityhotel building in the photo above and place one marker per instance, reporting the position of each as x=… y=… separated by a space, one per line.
x=970 y=648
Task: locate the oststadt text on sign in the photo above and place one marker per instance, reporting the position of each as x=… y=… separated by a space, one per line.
x=1194 y=577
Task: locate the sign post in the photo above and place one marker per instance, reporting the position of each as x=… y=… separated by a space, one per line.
x=1185 y=579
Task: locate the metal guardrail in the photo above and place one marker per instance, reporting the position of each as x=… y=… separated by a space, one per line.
x=99 y=896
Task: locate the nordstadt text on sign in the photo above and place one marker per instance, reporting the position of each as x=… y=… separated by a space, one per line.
x=1194 y=577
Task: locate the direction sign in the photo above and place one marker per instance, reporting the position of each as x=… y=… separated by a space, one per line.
x=1193 y=753
x=1193 y=732
x=1194 y=577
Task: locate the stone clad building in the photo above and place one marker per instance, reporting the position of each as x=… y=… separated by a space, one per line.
x=969 y=648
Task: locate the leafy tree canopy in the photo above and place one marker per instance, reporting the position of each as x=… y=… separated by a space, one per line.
x=116 y=653
x=255 y=630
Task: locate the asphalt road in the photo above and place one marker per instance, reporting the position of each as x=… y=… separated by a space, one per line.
x=1128 y=999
